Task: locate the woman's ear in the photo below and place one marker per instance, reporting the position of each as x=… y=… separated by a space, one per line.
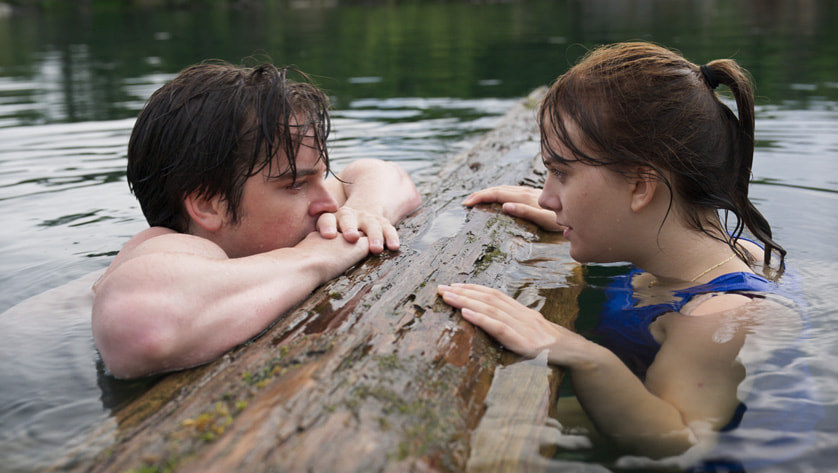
x=209 y=213
x=644 y=185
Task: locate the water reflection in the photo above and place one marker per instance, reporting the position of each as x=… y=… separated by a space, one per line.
x=55 y=392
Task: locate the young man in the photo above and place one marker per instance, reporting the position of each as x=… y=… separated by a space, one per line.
x=228 y=164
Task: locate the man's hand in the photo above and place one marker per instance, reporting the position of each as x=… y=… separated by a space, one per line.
x=518 y=201
x=373 y=196
x=353 y=223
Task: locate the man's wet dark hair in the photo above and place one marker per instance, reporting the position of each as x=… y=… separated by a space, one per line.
x=215 y=125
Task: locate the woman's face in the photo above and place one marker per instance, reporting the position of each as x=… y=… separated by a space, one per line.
x=593 y=202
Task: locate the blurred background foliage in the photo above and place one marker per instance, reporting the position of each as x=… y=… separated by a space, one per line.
x=100 y=59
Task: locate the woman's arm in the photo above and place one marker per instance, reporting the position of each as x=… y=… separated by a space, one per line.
x=690 y=389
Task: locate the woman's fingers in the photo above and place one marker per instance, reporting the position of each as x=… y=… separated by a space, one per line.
x=518 y=201
x=474 y=296
x=489 y=302
x=515 y=326
x=464 y=302
x=503 y=194
x=546 y=219
x=503 y=333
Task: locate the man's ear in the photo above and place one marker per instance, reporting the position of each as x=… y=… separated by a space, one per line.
x=644 y=185
x=209 y=213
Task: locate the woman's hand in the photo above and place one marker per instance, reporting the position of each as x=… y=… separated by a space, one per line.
x=518 y=201
x=515 y=326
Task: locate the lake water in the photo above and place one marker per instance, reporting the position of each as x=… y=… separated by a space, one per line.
x=414 y=83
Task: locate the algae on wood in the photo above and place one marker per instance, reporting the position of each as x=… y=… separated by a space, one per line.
x=373 y=372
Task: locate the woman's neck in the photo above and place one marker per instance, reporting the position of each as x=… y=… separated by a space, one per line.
x=684 y=255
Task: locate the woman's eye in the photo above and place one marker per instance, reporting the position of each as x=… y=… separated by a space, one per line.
x=558 y=173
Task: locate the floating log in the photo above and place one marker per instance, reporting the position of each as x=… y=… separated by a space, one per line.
x=373 y=372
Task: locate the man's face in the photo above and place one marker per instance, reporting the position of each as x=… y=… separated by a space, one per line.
x=276 y=212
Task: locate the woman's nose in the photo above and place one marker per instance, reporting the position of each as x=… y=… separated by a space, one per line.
x=549 y=200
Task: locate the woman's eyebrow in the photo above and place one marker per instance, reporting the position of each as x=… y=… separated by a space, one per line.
x=552 y=159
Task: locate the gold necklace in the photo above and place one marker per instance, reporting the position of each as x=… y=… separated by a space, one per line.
x=654 y=280
x=711 y=268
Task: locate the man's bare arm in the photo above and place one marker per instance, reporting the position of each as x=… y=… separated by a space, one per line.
x=175 y=301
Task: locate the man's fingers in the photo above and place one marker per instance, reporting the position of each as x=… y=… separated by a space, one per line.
x=327 y=225
x=348 y=225
x=391 y=237
x=372 y=228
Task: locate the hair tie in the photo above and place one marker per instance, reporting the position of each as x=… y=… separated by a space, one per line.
x=709 y=77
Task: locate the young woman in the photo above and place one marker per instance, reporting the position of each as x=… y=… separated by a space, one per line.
x=647 y=166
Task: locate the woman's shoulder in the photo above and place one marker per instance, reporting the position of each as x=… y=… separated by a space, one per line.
x=728 y=292
x=732 y=291
x=752 y=249
x=717 y=303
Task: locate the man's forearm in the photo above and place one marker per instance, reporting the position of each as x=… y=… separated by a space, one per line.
x=380 y=187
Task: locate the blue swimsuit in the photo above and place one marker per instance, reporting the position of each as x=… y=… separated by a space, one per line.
x=624 y=328
x=782 y=407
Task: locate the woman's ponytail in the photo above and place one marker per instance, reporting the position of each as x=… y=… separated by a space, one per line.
x=727 y=72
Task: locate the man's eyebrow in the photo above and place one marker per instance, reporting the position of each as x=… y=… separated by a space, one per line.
x=309 y=172
x=300 y=173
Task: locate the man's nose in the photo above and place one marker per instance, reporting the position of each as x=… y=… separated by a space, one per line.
x=322 y=202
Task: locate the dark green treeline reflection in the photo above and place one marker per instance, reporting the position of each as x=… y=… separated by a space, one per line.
x=99 y=60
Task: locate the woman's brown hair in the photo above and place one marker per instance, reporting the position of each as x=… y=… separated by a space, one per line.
x=639 y=104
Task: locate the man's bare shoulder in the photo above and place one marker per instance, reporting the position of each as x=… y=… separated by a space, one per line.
x=144 y=236
x=161 y=240
x=157 y=239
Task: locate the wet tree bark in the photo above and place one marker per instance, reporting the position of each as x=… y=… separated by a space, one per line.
x=373 y=373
